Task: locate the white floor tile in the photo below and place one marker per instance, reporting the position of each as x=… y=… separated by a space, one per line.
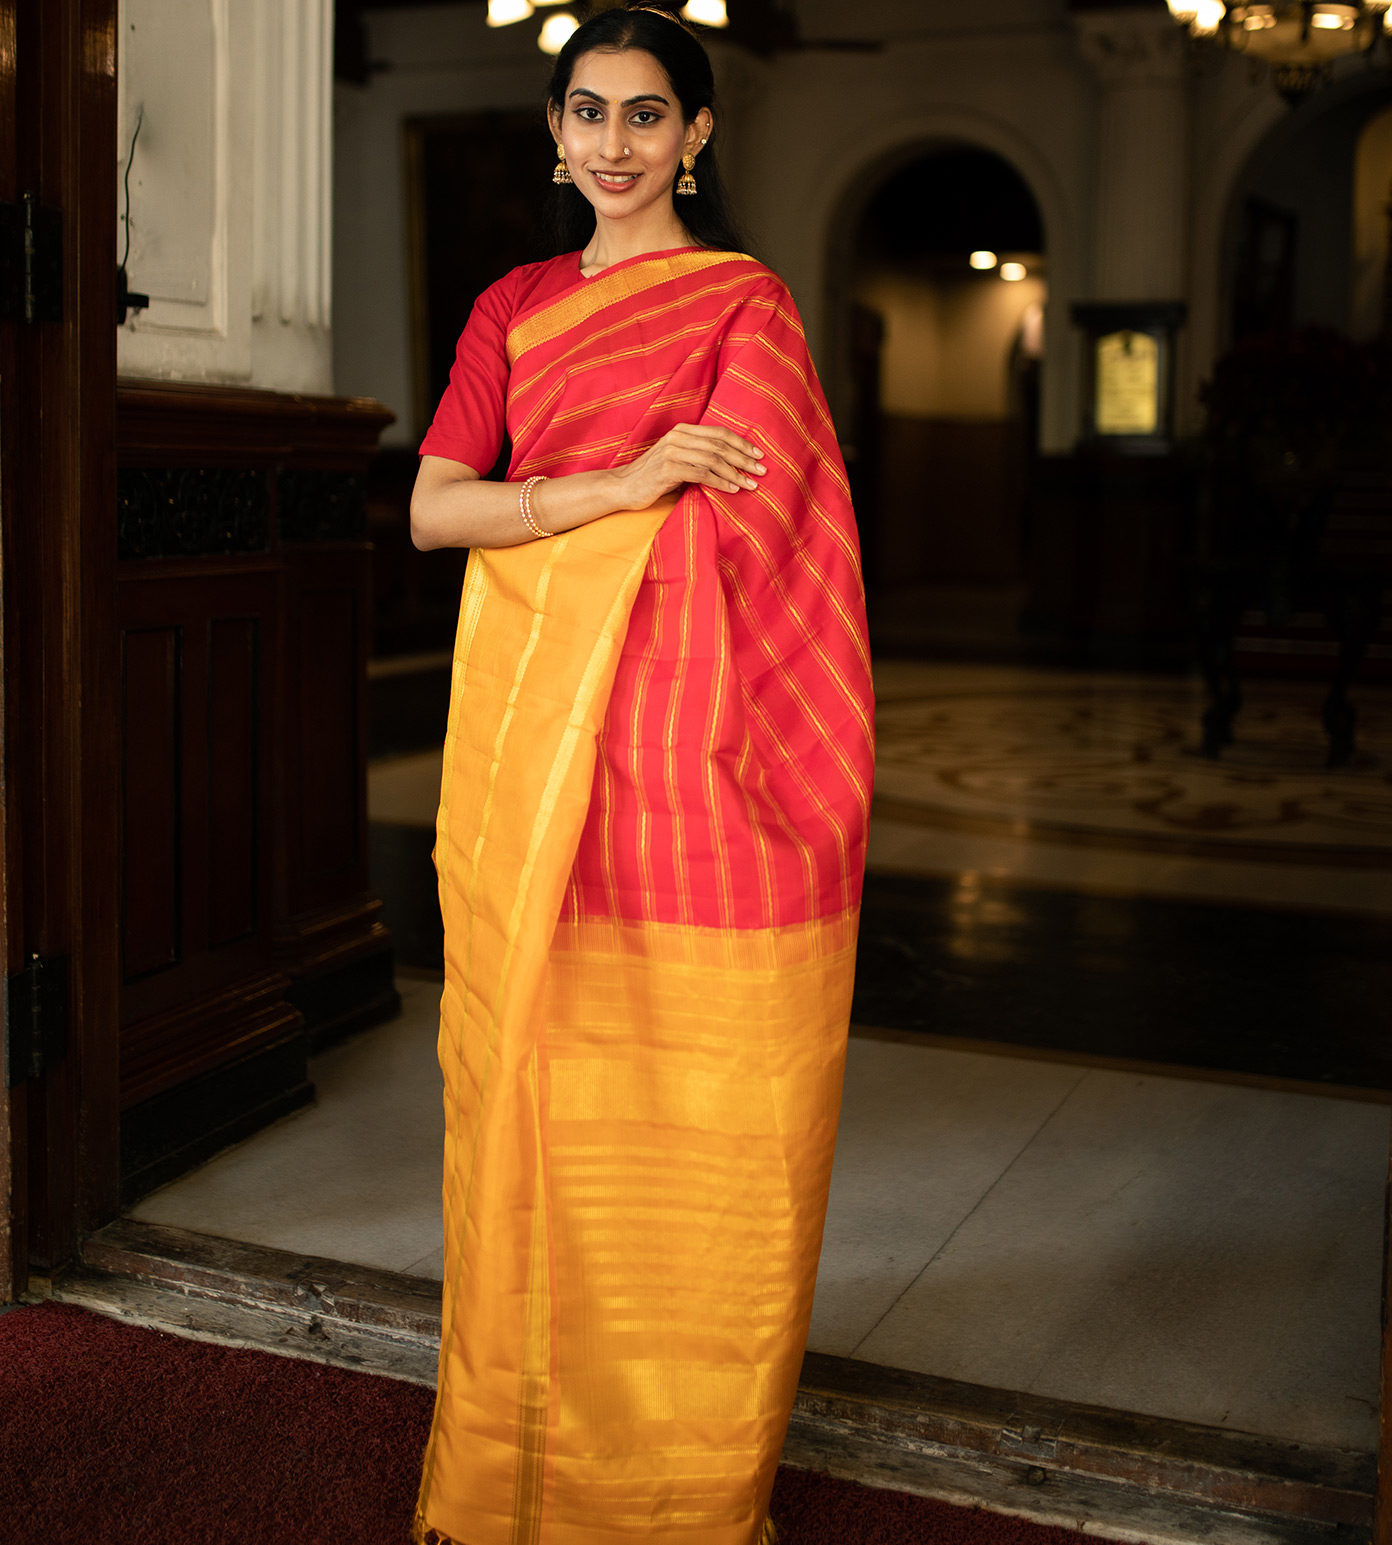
x=924 y=1133
x=356 y=1175
x=1184 y=1248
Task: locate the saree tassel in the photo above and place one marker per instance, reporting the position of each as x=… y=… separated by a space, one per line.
x=423 y=1534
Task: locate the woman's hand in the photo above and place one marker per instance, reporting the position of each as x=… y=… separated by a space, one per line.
x=690 y=453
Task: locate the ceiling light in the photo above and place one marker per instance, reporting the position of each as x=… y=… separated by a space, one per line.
x=709 y=13
x=1301 y=41
x=556 y=31
x=502 y=13
x=982 y=259
x=1012 y=271
x=1208 y=17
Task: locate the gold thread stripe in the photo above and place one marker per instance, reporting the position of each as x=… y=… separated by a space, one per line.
x=608 y=289
x=598 y=350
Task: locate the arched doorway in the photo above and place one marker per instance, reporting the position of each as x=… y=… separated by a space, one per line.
x=944 y=290
x=1304 y=240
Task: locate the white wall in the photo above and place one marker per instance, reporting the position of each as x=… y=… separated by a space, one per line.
x=230 y=190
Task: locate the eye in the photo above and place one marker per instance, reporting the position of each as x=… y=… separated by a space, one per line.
x=585 y=112
x=645 y=118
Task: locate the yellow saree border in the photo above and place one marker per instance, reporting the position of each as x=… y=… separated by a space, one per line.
x=610 y=288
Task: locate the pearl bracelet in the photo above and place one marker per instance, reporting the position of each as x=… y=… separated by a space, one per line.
x=528 y=519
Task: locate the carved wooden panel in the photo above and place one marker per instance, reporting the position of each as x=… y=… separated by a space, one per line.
x=198 y=703
x=235 y=754
x=327 y=914
x=151 y=828
x=326 y=731
x=168 y=512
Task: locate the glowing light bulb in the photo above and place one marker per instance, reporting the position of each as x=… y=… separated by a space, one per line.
x=556 y=31
x=1182 y=11
x=1012 y=271
x=502 y=13
x=1208 y=17
x=709 y=13
x=982 y=259
x=1334 y=18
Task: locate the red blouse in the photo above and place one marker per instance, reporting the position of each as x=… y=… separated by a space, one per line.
x=470 y=421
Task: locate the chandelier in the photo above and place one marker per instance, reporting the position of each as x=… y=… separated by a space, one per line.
x=559 y=25
x=1298 y=39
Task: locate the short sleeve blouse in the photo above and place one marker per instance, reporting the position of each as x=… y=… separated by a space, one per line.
x=471 y=420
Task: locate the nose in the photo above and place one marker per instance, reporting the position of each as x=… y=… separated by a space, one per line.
x=612 y=144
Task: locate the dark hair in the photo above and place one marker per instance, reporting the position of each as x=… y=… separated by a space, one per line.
x=706 y=213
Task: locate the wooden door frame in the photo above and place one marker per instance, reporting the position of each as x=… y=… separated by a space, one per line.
x=58 y=721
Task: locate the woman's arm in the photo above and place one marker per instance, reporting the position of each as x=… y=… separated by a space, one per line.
x=452 y=505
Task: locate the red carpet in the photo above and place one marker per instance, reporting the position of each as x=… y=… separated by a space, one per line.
x=118 y=1435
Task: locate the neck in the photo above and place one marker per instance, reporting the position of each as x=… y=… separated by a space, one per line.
x=616 y=240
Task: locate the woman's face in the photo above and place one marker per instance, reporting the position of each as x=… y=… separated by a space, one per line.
x=623 y=102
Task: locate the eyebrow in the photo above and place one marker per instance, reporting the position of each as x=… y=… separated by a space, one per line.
x=594 y=96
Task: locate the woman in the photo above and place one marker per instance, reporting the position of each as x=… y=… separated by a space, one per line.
x=650 y=845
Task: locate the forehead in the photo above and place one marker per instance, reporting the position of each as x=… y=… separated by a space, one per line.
x=619 y=75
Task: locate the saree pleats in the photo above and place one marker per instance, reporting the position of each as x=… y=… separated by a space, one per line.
x=649 y=848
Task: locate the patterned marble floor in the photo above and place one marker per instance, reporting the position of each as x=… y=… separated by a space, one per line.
x=1094 y=782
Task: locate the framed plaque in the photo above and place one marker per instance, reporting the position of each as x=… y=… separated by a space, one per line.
x=1129 y=399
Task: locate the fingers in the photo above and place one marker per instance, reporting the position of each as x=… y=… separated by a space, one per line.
x=713 y=471
x=721 y=441
x=717 y=457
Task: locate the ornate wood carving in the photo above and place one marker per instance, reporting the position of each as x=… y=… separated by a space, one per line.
x=170 y=512
x=317 y=506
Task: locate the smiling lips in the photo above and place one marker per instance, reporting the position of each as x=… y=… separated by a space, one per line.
x=615 y=181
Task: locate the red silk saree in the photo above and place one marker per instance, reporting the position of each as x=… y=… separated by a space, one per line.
x=650 y=847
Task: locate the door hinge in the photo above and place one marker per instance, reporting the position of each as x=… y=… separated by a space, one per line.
x=36 y=1018
x=31 y=262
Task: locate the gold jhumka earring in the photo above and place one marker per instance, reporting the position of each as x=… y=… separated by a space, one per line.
x=561 y=172
x=686 y=183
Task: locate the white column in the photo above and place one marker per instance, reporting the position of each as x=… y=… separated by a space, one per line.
x=230 y=189
x=293 y=194
x=1141 y=208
